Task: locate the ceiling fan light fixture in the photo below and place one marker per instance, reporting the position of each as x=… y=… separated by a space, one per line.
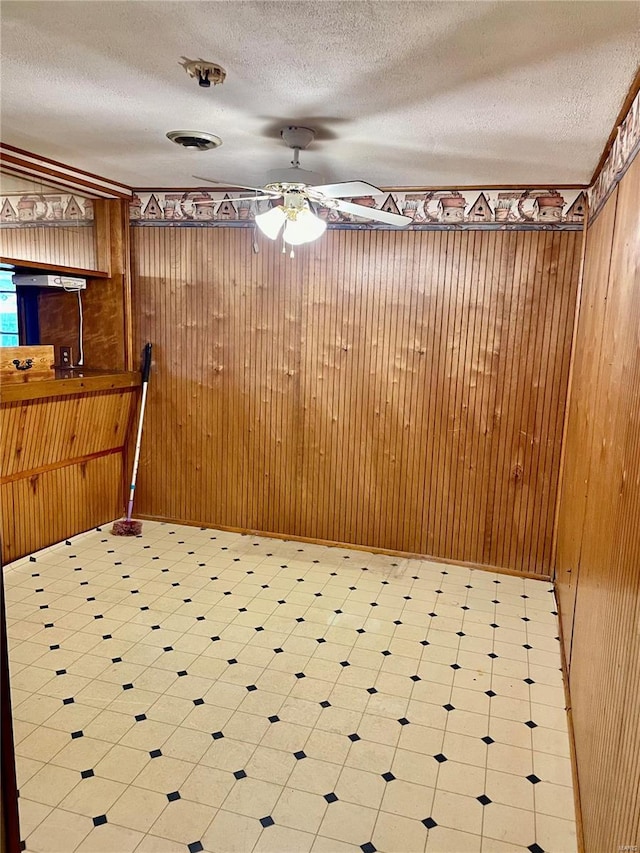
x=271 y=221
x=304 y=227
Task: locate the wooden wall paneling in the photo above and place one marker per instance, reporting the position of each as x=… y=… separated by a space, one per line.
x=53 y=481
x=363 y=391
x=60 y=245
x=49 y=432
x=605 y=662
x=51 y=506
x=583 y=405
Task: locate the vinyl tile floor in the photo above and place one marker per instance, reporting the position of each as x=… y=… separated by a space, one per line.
x=197 y=690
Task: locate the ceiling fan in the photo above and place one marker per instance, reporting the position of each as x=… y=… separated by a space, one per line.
x=301 y=192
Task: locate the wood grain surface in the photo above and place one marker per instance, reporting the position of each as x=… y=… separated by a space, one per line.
x=401 y=390
x=599 y=527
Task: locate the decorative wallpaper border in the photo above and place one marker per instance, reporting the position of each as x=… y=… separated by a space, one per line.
x=623 y=151
x=50 y=209
x=437 y=210
x=448 y=209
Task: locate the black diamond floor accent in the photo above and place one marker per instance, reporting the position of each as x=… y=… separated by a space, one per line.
x=173 y=796
x=535 y=848
x=278 y=651
x=300 y=675
x=69 y=701
x=331 y=797
x=448 y=707
x=240 y=774
x=344 y=663
x=216 y=735
x=487 y=739
x=195 y=847
x=368 y=848
x=531 y=724
x=371 y=690
x=354 y=737
x=455 y=666
x=200 y=701
x=403 y=721
x=182 y=673
x=490 y=693
x=76 y=735
x=300 y=754
x=167 y=649
x=251 y=688
x=127 y=686
x=116 y=660
x=529 y=681
x=87 y=774
x=440 y=758
x=267 y=821
x=415 y=678
x=321 y=640
x=424 y=642
x=325 y=704
x=140 y=717
x=274 y=719
x=388 y=776
x=492 y=655
x=231 y=661
x=155 y=753
x=386 y=652
x=100 y=820
x=483 y=799
x=533 y=779
x=429 y=822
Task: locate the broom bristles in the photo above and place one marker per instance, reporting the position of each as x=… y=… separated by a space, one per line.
x=126 y=527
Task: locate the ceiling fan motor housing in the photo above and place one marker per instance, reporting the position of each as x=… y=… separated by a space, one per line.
x=297 y=137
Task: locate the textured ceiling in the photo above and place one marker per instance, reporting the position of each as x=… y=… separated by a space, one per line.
x=402 y=93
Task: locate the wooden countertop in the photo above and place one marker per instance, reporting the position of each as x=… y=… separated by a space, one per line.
x=67 y=382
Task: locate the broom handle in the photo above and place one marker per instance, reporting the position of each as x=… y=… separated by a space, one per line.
x=146 y=369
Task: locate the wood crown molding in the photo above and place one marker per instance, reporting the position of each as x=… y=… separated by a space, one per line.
x=17 y=161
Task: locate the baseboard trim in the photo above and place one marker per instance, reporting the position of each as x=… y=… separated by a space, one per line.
x=349 y=545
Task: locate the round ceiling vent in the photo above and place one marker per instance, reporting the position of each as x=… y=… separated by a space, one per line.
x=195 y=139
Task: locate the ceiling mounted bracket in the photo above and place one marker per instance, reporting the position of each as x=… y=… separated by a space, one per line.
x=204 y=72
x=297 y=137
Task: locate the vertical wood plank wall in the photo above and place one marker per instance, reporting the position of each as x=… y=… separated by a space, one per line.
x=61 y=467
x=400 y=390
x=598 y=562
x=61 y=245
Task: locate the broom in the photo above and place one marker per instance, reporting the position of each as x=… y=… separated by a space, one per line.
x=126 y=526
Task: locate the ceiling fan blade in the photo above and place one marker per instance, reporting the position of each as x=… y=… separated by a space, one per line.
x=373 y=213
x=226 y=185
x=249 y=198
x=347 y=189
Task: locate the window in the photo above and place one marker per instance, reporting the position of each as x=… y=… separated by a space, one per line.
x=9 y=336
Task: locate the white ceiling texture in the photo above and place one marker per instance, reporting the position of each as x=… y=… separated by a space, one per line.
x=419 y=94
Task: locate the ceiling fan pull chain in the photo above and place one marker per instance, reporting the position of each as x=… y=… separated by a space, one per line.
x=292 y=255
